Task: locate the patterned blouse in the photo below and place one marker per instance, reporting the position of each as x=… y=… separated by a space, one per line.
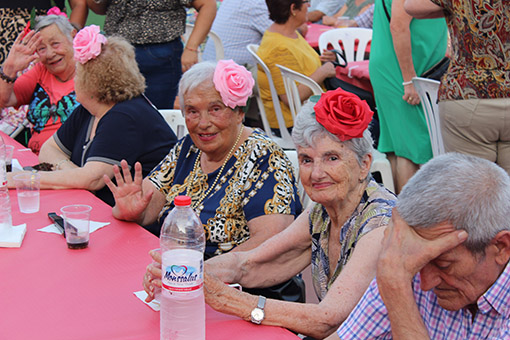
x=480 y=37
x=257 y=180
x=146 y=22
x=374 y=210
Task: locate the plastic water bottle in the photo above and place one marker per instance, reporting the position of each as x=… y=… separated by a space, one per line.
x=182 y=241
x=5 y=202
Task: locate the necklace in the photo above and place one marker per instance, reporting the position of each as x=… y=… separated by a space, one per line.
x=196 y=166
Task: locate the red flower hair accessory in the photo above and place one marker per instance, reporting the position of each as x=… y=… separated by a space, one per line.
x=343 y=114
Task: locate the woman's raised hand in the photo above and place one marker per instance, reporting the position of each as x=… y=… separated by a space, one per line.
x=22 y=53
x=130 y=200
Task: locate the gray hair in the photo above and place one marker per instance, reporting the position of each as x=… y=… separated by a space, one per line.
x=471 y=193
x=200 y=74
x=306 y=130
x=61 y=21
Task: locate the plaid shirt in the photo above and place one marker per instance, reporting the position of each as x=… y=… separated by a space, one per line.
x=239 y=23
x=369 y=320
x=366 y=19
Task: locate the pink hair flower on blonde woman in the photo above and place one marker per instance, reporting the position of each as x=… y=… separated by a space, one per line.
x=233 y=82
x=87 y=43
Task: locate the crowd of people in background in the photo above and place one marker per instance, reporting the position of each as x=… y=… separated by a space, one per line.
x=430 y=261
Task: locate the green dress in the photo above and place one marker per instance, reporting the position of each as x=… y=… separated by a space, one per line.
x=403 y=128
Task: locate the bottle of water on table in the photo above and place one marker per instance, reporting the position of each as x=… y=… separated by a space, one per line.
x=182 y=241
x=5 y=202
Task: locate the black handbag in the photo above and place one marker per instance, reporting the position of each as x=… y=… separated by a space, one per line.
x=292 y=290
x=437 y=71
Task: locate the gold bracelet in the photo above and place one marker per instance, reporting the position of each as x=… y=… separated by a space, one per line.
x=191 y=49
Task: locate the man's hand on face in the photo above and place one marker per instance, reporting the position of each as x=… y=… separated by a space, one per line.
x=405 y=252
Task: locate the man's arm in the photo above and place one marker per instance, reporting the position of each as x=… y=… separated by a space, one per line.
x=423 y=9
x=404 y=253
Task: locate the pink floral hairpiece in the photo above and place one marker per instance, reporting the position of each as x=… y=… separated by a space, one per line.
x=233 y=82
x=87 y=43
x=56 y=11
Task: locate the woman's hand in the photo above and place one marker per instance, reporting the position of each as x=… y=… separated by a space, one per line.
x=327 y=70
x=410 y=95
x=152 y=277
x=327 y=56
x=22 y=53
x=130 y=199
x=188 y=59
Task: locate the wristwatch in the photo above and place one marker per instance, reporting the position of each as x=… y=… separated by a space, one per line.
x=257 y=314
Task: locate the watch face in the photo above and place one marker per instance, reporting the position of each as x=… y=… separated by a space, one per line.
x=257 y=315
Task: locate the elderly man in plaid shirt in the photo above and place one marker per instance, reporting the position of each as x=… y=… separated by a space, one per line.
x=444 y=269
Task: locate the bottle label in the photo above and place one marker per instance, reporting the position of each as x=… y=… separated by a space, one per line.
x=183 y=270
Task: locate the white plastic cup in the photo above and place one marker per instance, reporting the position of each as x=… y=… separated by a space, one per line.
x=77 y=225
x=27 y=188
x=9 y=149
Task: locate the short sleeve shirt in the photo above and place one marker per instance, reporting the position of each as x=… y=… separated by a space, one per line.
x=132 y=130
x=146 y=22
x=480 y=39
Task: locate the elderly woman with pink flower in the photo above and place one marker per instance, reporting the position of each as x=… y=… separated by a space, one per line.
x=114 y=121
x=340 y=235
x=48 y=88
x=240 y=182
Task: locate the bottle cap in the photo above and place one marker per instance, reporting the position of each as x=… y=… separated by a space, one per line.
x=182 y=201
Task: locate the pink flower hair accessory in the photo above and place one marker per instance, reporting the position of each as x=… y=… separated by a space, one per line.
x=56 y=11
x=87 y=43
x=233 y=82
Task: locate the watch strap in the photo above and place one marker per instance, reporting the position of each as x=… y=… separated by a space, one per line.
x=262 y=302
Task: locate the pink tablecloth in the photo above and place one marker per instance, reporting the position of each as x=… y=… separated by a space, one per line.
x=356 y=73
x=50 y=292
x=314 y=32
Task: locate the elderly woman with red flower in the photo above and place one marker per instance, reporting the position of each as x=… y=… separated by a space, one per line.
x=114 y=121
x=340 y=235
x=240 y=182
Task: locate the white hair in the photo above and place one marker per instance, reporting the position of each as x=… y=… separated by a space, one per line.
x=61 y=21
x=471 y=193
x=306 y=130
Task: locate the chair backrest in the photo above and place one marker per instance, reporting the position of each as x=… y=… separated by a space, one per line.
x=176 y=120
x=427 y=90
x=290 y=77
x=293 y=157
x=218 y=45
x=285 y=141
x=349 y=37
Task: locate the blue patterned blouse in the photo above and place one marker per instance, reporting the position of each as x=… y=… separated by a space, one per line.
x=257 y=180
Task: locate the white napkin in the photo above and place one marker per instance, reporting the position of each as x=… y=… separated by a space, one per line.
x=15 y=165
x=93 y=227
x=13 y=237
x=154 y=304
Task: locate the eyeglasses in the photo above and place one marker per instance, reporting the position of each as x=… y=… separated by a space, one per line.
x=306 y=2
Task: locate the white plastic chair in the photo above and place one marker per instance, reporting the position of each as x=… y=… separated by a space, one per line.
x=218 y=45
x=293 y=157
x=21 y=126
x=348 y=36
x=290 y=77
x=427 y=90
x=176 y=120
x=382 y=165
x=285 y=141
